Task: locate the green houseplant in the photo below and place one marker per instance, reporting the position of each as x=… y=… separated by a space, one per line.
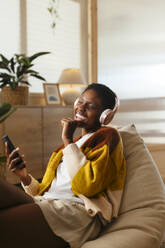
x=5 y=112
x=14 y=75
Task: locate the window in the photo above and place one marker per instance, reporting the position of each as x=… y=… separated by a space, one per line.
x=63 y=42
x=131 y=47
x=10 y=27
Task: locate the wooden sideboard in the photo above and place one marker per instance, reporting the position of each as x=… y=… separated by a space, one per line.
x=37 y=131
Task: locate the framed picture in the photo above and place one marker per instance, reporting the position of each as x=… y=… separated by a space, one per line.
x=52 y=94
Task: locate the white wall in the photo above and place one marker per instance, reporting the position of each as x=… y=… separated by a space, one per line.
x=131 y=47
x=9 y=27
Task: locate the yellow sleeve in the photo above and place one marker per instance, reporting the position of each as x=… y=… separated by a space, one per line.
x=50 y=171
x=101 y=171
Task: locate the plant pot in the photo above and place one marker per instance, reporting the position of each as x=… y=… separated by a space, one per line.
x=19 y=96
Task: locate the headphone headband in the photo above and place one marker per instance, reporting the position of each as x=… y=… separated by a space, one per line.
x=117 y=103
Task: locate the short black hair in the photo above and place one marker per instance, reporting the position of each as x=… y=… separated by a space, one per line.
x=107 y=96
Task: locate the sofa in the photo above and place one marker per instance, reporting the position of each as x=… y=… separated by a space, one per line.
x=141 y=220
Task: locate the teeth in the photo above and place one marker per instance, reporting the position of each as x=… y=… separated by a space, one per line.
x=81 y=117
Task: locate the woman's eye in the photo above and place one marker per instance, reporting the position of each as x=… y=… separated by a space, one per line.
x=80 y=102
x=92 y=106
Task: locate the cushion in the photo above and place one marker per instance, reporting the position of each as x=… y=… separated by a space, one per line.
x=141 y=220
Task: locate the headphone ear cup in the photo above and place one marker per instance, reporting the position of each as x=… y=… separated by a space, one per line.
x=106 y=116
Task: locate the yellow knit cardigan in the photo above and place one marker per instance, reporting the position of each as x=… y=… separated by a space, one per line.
x=100 y=181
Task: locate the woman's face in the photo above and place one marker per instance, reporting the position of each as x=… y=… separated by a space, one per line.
x=87 y=110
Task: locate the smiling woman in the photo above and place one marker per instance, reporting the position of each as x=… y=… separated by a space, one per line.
x=82 y=187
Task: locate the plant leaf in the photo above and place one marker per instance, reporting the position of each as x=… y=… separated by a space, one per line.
x=21 y=70
x=3 y=159
x=4 y=108
x=31 y=71
x=8 y=114
x=13 y=85
x=4 y=66
x=6 y=77
x=4 y=59
x=34 y=56
x=25 y=82
x=2 y=84
x=53 y=25
x=18 y=68
x=12 y=64
x=50 y=9
x=37 y=76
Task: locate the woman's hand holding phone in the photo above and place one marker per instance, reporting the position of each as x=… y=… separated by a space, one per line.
x=15 y=162
x=17 y=167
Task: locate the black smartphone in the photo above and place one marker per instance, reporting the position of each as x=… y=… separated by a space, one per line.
x=11 y=148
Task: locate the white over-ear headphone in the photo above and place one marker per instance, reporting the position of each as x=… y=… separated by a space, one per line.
x=108 y=114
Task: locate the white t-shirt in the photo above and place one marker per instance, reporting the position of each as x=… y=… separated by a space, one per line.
x=61 y=187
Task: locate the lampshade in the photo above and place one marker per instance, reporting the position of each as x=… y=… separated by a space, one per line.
x=71 y=76
x=71 y=83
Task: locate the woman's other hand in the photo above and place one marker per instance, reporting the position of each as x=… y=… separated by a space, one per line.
x=18 y=169
x=69 y=126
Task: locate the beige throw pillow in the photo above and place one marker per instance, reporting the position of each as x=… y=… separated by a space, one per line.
x=141 y=221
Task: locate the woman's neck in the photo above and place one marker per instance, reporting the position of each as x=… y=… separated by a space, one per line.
x=86 y=131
